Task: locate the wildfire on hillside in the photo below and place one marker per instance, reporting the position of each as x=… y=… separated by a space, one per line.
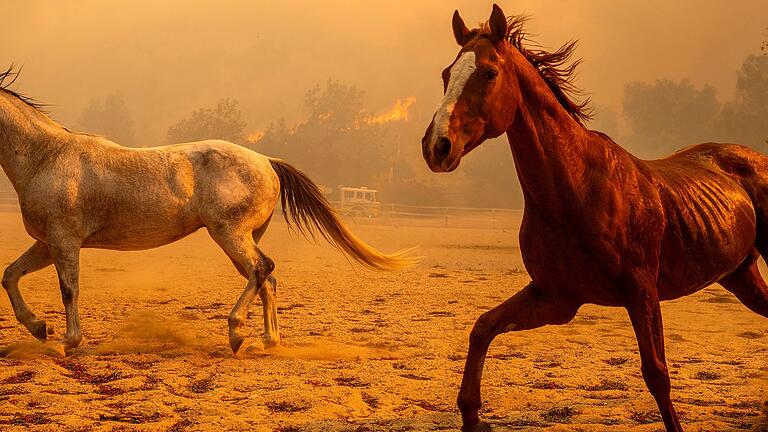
x=255 y=136
x=397 y=113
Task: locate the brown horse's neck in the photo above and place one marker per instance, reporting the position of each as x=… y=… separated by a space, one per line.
x=27 y=138
x=552 y=151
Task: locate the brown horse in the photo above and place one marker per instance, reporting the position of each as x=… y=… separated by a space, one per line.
x=600 y=226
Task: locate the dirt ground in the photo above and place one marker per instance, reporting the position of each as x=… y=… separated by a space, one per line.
x=361 y=351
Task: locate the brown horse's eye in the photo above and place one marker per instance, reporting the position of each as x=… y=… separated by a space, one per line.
x=490 y=74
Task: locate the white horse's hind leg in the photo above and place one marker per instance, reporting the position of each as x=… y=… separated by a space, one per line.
x=35 y=258
x=66 y=258
x=238 y=315
x=256 y=267
x=271 y=329
x=266 y=291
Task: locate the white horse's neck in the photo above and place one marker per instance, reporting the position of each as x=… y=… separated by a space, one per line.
x=27 y=138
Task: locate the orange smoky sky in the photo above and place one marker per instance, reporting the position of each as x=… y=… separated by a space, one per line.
x=167 y=58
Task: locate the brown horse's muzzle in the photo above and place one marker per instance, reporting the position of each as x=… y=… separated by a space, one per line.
x=439 y=152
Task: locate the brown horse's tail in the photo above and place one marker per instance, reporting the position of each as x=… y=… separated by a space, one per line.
x=306 y=209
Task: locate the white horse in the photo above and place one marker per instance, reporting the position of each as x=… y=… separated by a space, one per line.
x=83 y=191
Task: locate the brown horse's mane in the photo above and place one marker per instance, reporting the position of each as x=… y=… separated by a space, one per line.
x=556 y=67
x=7 y=79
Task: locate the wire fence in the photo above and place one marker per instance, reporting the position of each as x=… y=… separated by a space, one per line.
x=451 y=217
x=8 y=202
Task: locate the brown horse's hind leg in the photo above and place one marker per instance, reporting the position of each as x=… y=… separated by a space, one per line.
x=748 y=286
x=35 y=258
x=528 y=309
x=645 y=313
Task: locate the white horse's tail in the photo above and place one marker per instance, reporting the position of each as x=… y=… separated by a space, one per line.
x=306 y=209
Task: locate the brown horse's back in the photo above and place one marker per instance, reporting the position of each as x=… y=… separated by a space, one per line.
x=714 y=197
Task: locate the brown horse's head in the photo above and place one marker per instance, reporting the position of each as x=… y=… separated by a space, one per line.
x=480 y=94
x=485 y=84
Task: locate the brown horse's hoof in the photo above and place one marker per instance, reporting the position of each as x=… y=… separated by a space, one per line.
x=481 y=426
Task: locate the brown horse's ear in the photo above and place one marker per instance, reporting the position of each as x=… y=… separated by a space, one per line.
x=498 y=24
x=460 y=30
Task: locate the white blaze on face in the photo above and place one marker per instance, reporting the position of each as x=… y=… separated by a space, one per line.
x=460 y=72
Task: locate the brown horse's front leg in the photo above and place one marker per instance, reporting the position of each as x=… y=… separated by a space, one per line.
x=645 y=314
x=530 y=308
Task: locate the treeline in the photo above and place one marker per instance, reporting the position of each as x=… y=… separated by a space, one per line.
x=666 y=115
x=337 y=142
x=340 y=142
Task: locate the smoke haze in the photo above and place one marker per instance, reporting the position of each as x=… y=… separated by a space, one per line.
x=167 y=58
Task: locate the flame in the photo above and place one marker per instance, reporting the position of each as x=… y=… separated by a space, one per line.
x=398 y=112
x=255 y=136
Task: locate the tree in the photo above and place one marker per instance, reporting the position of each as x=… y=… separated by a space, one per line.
x=745 y=119
x=109 y=117
x=667 y=115
x=336 y=105
x=224 y=121
x=764 y=49
x=335 y=145
x=752 y=82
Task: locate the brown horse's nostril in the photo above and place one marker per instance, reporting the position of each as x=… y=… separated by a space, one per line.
x=442 y=148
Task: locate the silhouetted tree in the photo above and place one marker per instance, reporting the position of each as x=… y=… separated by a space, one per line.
x=336 y=105
x=336 y=145
x=764 y=49
x=224 y=121
x=667 y=115
x=745 y=119
x=109 y=117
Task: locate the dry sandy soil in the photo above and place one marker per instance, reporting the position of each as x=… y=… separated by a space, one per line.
x=362 y=351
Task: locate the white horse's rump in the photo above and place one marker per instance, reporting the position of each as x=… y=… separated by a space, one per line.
x=78 y=190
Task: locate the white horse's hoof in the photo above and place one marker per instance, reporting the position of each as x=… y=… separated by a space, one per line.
x=71 y=343
x=40 y=330
x=236 y=342
x=271 y=342
x=55 y=349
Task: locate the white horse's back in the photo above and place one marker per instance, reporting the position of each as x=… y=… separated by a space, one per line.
x=133 y=199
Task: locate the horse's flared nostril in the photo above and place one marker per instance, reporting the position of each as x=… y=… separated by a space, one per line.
x=442 y=148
